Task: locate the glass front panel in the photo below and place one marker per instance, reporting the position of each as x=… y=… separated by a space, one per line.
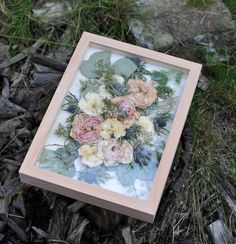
x=114 y=122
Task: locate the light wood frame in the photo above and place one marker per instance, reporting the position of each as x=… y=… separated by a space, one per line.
x=140 y=209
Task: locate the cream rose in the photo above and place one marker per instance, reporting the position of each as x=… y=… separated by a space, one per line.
x=91 y=104
x=142 y=93
x=112 y=127
x=91 y=155
x=146 y=124
x=116 y=152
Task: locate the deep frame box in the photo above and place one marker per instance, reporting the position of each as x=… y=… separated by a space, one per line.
x=110 y=133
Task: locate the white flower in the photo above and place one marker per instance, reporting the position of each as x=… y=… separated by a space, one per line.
x=146 y=124
x=91 y=155
x=112 y=127
x=91 y=104
x=104 y=93
x=119 y=79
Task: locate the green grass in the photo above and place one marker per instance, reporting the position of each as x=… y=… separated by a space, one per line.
x=200 y=3
x=106 y=17
x=19 y=29
x=212 y=117
x=15 y=21
x=231 y=4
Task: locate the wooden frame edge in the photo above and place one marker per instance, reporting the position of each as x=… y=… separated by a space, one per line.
x=147 y=210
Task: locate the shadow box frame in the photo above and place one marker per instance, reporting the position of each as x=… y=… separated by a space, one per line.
x=136 y=208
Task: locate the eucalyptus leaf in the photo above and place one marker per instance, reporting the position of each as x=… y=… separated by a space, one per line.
x=59 y=161
x=124 y=66
x=46 y=155
x=49 y=160
x=88 y=67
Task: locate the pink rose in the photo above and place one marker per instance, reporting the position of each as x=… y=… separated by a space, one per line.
x=116 y=152
x=125 y=110
x=141 y=93
x=86 y=128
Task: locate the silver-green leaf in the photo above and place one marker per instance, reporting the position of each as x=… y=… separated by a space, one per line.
x=124 y=66
x=49 y=160
x=88 y=67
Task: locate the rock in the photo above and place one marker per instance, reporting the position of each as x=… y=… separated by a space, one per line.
x=4 y=52
x=203 y=83
x=62 y=54
x=45 y=78
x=4 y=55
x=220 y=233
x=9 y=109
x=228 y=192
x=27 y=99
x=126 y=233
x=51 y=13
x=174 y=21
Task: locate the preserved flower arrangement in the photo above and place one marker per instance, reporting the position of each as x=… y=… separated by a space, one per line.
x=117 y=124
x=112 y=128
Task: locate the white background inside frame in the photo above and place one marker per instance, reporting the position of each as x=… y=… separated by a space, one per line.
x=140 y=189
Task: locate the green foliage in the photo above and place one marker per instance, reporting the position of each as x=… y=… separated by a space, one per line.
x=90 y=85
x=212 y=117
x=124 y=67
x=179 y=76
x=223 y=85
x=105 y=17
x=71 y=106
x=62 y=131
x=200 y=3
x=97 y=60
x=107 y=108
x=140 y=72
x=164 y=92
x=49 y=159
x=231 y=4
x=112 y=86
x=16 y=21
x=161 y=77
x=98 y=66
x=59 y=161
